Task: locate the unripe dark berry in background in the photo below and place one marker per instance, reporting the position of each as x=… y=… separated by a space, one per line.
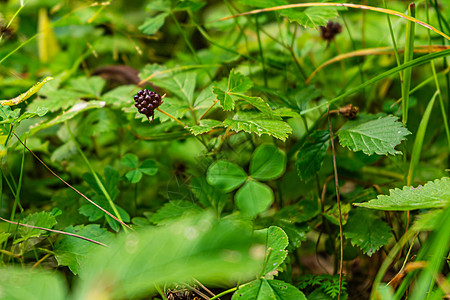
x=147 y=101
x=330 y=31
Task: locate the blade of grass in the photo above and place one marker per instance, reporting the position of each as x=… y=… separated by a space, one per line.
x=418 y=142
x=351 y=5
x=413 y=63
x=394 y=43
x=436 y=81
x=94 y=174
x=408 y=56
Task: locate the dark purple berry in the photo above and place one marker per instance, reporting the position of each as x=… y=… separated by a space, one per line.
x=147 y=101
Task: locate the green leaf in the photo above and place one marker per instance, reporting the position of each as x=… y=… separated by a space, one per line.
x=254 y=198
x=91 y=86
x=237 y=83
x=56 y=100
x=367 y=231
x=263 y=289
x=40 y=219
x=224 y=98
x=24 y=96
x=22 y=283
x=72 y=252
x=134 y=176
x=173 y=210
x=311 y=154
x=208 y=195
x=268 y=162
x=118 y=97
x=178 y=252
x=225 y=175
x=30 y=114
x=433 y=194
x=75 y=110
x=263 y=3
x=148 y=167
x=378 y=136
x=276 y=242
x=256 y=123
x=153 y=24
x=130 y=160
x=311 y=17
x=258 y=103
x=205 y=125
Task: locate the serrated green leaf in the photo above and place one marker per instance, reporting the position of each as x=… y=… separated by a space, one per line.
x=378 y=136
x=90 y=87
x=56 y=100
x=30 y=114
x=225 y=175
x=275 y=128
x=119 y=97
x=433 y=194
x=237 y=83
x=205 y=125
x=40 y=219
x=72 y=252
x=268 y=162
x=225 y=100
x=153 y=24
x=23 y=283
x=263 y=289
x=311 y=154
x=130 y=160
x=258 y=103
x=173 y=210
x=367 y=231
x=254 y=198
x=181 y=251
x=24 y=96
x=311 y=17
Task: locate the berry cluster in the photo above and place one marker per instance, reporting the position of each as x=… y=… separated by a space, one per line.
x=330 y=31
x=147 y=101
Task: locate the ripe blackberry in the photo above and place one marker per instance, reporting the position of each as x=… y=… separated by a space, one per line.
x=330 y=31
x=146 y=102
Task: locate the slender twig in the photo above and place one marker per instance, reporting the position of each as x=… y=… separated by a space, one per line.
x=172 y=117
x=55 y=231
x=209 y=108
x=336 y=181
x=74 y=189
x=41 y=260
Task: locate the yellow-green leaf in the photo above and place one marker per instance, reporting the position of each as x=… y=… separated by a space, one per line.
x=24 y=96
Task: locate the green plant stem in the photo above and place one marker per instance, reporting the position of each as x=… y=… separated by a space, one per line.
x=382 y=172
x=408 y=56
x=160 y=292
x=188 y=43
x=436 y=81
x=226 y=292
x=394 y=43
x=261 y=54
x=97 y=180
x=17 y=195
x=418 y=142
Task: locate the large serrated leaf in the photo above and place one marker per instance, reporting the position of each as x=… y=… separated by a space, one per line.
x=367 y=231
x=311 y=17
x=263 y=289
x=40 y=219
x=276 y=241
x=205 y=126
x=237 y=83
x=311 y=155
x=433 y=194
x=259 y=125
x=378 y=136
